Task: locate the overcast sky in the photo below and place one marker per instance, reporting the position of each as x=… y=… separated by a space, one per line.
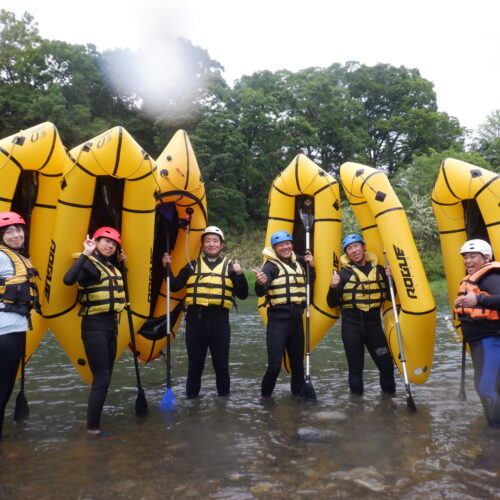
x=454 y=43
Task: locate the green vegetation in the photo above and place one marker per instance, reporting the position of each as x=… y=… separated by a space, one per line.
x=243 y=136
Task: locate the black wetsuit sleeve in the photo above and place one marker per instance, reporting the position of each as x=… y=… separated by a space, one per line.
x=334 y=296
x=271 y=271
x=178 y=282
x=240 y=283
x=82 y=272
x=490 y=283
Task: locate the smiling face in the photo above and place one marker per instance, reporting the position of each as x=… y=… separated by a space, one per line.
x=13 y=236
x=284 y=249
x=356 y=252
x=212 y=245
x=473 y=261
x=106 y=247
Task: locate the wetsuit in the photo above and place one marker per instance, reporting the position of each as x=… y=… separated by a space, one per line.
x=483 y=337
x=285 y=330
x=13 y=327
x=361 y=321
x=99 y=333
x=207 y=319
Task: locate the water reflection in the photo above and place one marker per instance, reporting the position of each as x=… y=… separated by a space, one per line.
x=343 y=447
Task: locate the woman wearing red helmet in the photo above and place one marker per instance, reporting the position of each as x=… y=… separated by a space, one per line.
x=102 y=298
x=18 y=295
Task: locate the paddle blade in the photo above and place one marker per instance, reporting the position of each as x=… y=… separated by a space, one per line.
x=168 y=401
x=141 y=405
x=307 y=392
x=409 y=401
x=22 y=410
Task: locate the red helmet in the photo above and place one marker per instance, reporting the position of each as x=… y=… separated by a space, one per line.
x=108 y=232
x=10 y=218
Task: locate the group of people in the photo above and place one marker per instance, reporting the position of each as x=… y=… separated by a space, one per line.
x=213 y=281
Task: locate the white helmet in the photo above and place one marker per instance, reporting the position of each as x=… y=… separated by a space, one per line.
x=213 y=230
x=479 y=246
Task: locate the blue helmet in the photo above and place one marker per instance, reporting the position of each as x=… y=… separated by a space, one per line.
x=351 y=238
x=280 y=236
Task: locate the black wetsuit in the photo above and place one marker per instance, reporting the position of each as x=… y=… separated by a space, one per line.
x=99 y=336
x=360 y=328
x=285 y=332
x=207 y=327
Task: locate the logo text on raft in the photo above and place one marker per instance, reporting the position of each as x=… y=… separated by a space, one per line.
x=405 y=272
x=50 y=267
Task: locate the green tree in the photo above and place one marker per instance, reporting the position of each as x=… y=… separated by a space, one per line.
x=487 y=140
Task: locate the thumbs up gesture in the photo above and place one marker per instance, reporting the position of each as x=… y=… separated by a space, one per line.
x=237 y=267
x=335 y=279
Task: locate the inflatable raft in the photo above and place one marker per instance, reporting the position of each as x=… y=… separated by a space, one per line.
x=31 y=163
x=107 y=181
x=181 y=217
x=384 y=225
x=465 y=203
x=303 y=180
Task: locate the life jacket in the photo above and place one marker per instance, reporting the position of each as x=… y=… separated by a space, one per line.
x=469 y=284
x=19 y=293
x=362 y=291
x=289 y=287
x=107 y=295
x=210 y=287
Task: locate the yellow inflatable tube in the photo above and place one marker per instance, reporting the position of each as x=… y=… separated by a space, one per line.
x=460 y=182
x=39 y=151
x=384 y=225
x=181 y=190
x=301 y=180
x=115 y=154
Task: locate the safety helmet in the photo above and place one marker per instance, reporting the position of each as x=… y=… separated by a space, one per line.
x=108 y=232
x=213 y=230
x=10 y=218
x=351 y=238
x=280 y=236
x=479 y=246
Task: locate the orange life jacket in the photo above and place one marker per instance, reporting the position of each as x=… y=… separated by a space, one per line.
x=469 y=284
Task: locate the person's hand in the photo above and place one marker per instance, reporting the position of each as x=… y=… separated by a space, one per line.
x=89 y=246
x=467 y=300
x=388 y=271
x=335 y=279
x=166 y=259
x=237 y=267
x=308 y=257
x=122 y=257
x=260 y=277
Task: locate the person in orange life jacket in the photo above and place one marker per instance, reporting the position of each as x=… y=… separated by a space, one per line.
x=283 y=280
x=478 y=306
x=18 y=295
x=212 y=283
x=102 y=298
x=360 y=289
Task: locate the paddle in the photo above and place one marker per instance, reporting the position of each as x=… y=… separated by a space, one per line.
x=168 y=401
x=141 y=405
x=22 y=410
x=409 y=400
x=307 y=392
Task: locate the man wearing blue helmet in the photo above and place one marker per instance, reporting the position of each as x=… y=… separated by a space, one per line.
x=360 y=289
x=283 y=281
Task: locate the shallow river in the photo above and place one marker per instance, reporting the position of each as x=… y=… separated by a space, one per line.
x=341 y=447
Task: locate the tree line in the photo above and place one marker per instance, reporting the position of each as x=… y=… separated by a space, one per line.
x=243 y=135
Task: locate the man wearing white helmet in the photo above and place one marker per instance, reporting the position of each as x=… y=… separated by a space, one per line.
x=478 y=306
x=212 y=283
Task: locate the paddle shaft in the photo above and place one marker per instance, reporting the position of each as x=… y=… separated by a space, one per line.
x=398 y=330
x=308 y=305
x=169 y=377
x=131 y=327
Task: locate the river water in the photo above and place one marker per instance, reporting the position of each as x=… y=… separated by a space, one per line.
x=341 y=447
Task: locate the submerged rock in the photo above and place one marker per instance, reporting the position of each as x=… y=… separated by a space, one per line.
x=368 y=477
x=314 y=433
